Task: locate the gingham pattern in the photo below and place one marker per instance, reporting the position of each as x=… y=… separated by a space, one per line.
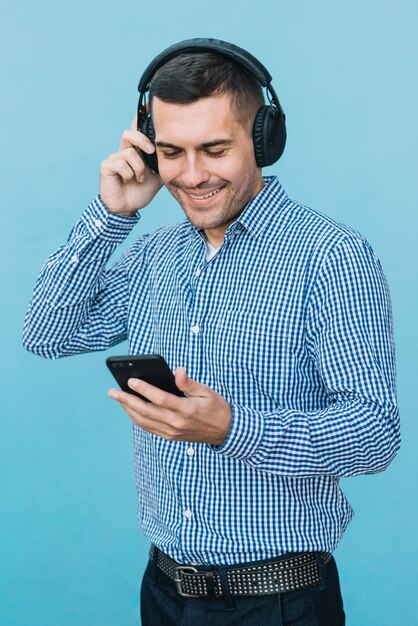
x=290 y=322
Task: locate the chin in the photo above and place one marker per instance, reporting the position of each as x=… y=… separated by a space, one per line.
x=208 y=221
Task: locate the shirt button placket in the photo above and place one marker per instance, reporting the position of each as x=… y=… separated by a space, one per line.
x=190 y=467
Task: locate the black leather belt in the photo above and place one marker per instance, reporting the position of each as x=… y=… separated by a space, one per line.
x=275 y=576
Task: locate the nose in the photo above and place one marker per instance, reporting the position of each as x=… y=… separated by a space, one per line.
x=195 y=171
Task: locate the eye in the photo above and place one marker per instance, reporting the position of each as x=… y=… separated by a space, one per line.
x=172 y=154
x=215 y=153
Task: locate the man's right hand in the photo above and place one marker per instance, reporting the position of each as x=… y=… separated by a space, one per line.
x=126 y=182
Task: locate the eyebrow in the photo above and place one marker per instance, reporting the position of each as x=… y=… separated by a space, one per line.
x=207 y=144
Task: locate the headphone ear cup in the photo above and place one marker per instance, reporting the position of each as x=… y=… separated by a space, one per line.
x=147 y=128
x=269 y=135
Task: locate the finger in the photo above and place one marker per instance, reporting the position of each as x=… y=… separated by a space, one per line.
x=140 y=407
x=129 y=400
x=118 y=167
x=135 y=138
x=133 y=159
x=137 y=409
x=190 y=386
x=162 y=428
x=157 y=396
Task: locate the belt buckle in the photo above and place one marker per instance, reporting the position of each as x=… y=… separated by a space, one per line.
x=181 y=569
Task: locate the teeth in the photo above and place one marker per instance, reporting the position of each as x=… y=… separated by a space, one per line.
x=212 y=193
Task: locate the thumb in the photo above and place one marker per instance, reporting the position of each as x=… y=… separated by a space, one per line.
x=187 y=384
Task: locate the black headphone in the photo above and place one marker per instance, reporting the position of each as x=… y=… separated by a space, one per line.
x=269 y=130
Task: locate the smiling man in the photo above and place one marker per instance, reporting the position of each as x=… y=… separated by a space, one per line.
x=206 y=160
x=277 y=322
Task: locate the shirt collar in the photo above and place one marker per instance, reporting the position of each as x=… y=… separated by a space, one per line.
x=268 y=203
x=260 y=210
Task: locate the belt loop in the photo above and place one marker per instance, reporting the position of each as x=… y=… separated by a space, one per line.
x=322 y=574
x=226 y=594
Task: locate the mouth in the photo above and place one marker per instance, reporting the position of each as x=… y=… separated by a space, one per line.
x=200 y=199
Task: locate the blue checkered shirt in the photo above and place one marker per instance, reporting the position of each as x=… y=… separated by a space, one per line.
x=290 y=322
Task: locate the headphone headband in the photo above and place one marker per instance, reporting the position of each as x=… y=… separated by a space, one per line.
x=206 y=45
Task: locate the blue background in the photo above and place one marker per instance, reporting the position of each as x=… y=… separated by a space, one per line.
x=71 y=552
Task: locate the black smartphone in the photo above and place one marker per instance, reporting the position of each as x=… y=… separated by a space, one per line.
x=152 y=368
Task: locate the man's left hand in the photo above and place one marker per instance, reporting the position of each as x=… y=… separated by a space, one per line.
x=204 y=416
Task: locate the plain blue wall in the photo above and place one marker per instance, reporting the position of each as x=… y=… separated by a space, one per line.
x=71 y=552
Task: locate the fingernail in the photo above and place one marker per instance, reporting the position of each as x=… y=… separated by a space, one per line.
x=132 y=383
x=141 y=179
x=113 y=394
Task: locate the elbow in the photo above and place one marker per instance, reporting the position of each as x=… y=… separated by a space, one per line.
x=33 y=344
x=385 y=459
x=36 y=338
x=376 y=449
x=387 y=445
x=40 y=350
x=390 y=452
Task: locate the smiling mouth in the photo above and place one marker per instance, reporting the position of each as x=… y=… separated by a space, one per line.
x=203 y=197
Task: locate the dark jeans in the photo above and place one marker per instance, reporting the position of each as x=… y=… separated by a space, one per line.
x=320 y=605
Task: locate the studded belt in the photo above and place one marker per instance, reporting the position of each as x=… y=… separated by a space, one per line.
x=275 y=576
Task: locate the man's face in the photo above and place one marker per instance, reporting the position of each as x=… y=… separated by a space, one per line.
x=206 y=160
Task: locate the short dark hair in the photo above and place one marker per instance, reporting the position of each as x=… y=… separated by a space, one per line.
x=188 y=77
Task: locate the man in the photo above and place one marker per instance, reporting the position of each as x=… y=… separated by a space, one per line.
x=277 y=322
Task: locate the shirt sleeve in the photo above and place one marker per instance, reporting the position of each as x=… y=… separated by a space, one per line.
x=349 y=336
x=77 y=305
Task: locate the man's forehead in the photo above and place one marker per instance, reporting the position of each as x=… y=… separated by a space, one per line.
x=216 y=108
x=203 y=121
x=214 y=101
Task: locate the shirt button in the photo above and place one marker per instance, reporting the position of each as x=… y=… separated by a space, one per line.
x=98 y=223
x=190 y=451
x=195 y=329
x=74 y=258
x=198 y=272
x=188 y=513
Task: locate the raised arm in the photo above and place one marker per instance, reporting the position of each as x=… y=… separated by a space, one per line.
x=77 y=305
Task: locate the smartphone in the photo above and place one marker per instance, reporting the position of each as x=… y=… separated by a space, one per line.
x=152 y=368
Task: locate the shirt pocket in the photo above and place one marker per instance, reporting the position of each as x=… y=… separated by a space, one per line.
x=254 y=355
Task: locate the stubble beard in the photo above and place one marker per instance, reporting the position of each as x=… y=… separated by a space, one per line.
x=216 y=216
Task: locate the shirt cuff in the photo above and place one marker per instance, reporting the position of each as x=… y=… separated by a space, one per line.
x=100 y=223
x=245 y=433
